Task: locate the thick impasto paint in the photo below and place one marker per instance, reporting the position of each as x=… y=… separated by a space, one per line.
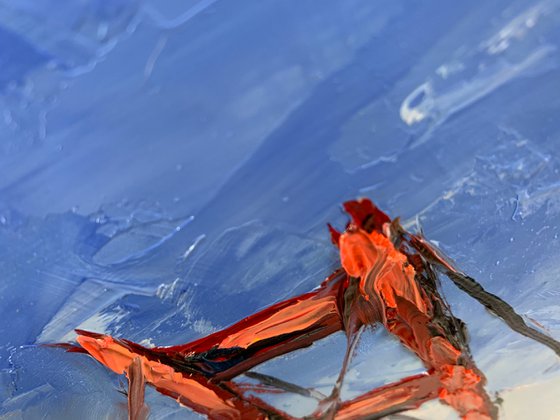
x=167 y=168
x=388 y=277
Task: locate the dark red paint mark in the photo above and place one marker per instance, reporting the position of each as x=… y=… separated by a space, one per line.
x=388 y=277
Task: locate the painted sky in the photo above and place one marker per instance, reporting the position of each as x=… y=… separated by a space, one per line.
x=168 y=167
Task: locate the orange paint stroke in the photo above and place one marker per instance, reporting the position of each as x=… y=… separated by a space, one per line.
x=388 y=277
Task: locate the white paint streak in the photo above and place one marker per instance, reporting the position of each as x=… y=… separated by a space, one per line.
x=152 y=59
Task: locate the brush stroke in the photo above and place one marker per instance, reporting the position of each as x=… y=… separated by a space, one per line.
x=389 y=277
x=137 y=410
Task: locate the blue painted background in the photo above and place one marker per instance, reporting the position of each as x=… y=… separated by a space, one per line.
x=168 y=167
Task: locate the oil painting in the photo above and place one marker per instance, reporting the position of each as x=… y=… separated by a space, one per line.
x=280 y=210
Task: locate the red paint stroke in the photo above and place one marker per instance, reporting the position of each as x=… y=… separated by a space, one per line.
x=388 y=277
